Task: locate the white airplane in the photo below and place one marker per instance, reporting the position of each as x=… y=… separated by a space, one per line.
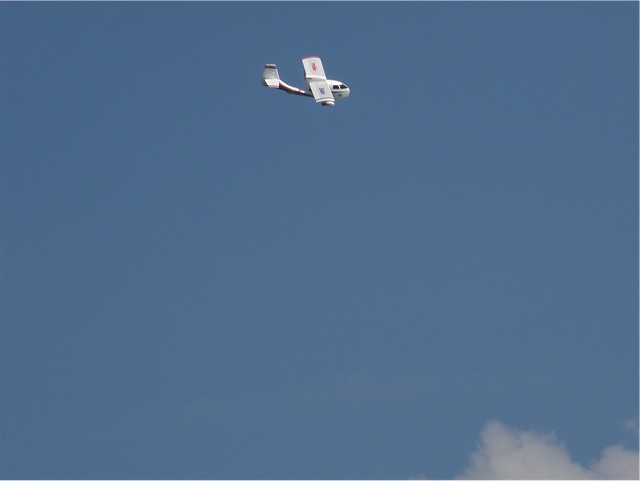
x=323 y=90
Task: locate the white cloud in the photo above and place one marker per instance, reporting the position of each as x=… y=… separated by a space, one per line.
x=505 y=453
x=631 y=426
x=616 y=463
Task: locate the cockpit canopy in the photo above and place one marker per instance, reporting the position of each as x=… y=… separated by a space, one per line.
x=338 y=89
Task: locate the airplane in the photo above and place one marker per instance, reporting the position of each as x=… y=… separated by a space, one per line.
x=325 y=91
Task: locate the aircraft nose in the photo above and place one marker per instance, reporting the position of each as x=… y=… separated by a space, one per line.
x=346 y=92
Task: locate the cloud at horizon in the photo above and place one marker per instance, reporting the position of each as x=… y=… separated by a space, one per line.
x=506 y=453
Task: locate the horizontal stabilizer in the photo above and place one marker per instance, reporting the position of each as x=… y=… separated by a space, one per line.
x=270 y=76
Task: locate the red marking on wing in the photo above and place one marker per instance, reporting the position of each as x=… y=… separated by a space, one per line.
x=313 y=66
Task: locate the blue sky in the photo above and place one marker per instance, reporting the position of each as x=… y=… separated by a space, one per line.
x=203 y=278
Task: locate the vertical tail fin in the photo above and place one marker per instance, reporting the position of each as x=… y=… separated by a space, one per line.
x=270 y=77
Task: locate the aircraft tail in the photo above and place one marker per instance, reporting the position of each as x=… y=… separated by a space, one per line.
x=270 y=77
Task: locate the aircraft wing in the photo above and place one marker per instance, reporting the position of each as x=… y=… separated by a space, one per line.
x=313 y=68
x=317 y=80
x=321 y=91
